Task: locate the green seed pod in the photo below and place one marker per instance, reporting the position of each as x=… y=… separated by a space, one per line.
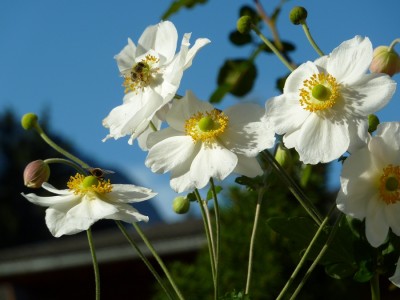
x=298 y=15
x=244 y=24
x=181 y=205
x=373 y=123
x=29 y=120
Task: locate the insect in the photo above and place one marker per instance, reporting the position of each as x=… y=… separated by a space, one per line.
x=99 y=173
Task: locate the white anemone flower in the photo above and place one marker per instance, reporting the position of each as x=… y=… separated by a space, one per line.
x=88 y=200
x=395 y=279
x=323 y=111
x=370 y=184
x=152 y=72
x=203 y=142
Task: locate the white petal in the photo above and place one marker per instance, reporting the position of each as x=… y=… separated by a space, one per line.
x=370 y=94
x=127 y=214
x=248 y=132
x=180 y=178
x=58 y=224
x=162 y=38
x=200 y=43
x=376 y=225
x=51 y=200
x=392 y=214
x=183 y=109
x=170 y=153
x=395 y=279
x=126 y=58
x=47 y=186
x=358 y=132
x=390 y=134
x=248 y=166
x=128 y=193
x=348 y=62
x=158 y=136
x=142 y=138
x=285 y=113
x=384 y=154
x=320 y=140
x=295 y=81
x=212 y=161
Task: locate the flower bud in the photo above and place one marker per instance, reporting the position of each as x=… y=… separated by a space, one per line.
x=282 y=156
x=373 y=123
x=244 y=24
x=29 y=120
x=298 y=15
x=385 y=60
x=35 y=173
x=181 y=205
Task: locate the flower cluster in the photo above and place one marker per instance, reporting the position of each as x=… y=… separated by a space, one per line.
x=323 y=113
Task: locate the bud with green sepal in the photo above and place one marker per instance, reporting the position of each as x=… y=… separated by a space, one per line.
x=36 y=173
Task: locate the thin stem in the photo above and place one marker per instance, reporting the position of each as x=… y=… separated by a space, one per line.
x=311 y=40
x=253 y=238
x=293 y=187
x=375 y=290
x=64 y=152
x=65 y=162
x=144 y=259
x=319 y=257
x=392 y=44
x=217 y=236
x=158 y=259
x=273 y=48
x=208 y=231
x=95 y=264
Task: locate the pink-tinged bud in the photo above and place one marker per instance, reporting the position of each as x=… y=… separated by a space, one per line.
x=35 y=173
x=385 y=60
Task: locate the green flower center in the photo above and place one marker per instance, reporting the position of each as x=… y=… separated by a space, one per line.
x=392 y=184
x=81 y=184
x=206 y=124
x=319 y=92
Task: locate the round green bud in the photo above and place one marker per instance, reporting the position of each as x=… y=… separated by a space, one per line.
x=321 y=92
x=206 y=124
x=373 y=123
x=181 y=205
x=29 y=120
x=298 y=15
x=392 y=184
x=89 y=181
x=36 y=173
x=243 y=25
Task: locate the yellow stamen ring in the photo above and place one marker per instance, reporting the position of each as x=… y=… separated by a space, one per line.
x=141 y=74
x=206 y=126
x=389 y=184
x=319 y=92
x=81 y=184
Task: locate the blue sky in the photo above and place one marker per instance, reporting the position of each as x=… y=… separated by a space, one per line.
x=58 y=55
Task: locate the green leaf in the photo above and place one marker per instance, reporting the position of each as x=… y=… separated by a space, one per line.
x=240 y=39
x=236 y=76
x=217 y=190
x=340 y=270
x=301 y=230
x=178 y=4
x=365 y=272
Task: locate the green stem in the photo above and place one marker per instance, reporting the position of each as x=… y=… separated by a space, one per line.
x=144 y=259
x=217 y=237
x=253 y=238
x=95 y=264
x=159 y=260
x=64 y=152
x=392 y=44
x=293 y=187
x=273 y=48
x=320 y=255
x=208 y=231
x=65 y=162
x=375 y=290
x=311 y=40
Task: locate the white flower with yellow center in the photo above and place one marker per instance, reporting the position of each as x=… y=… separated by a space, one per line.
x=152 y=72
x=87 y=200
x=323 y=111
x=203 y=142
x=370 y=184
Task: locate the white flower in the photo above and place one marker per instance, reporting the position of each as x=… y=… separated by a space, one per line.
x=88 y=200
x=370 y=184
x=152 y=73
x=203 y=142
x=323 y=111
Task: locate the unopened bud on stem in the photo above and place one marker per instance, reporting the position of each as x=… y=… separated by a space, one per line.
x=244 y=24
x=181 y=205
x=298 y=15
x=29 y=120
x=35 y=173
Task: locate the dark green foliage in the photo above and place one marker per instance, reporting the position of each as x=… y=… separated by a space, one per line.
x=177 y=5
